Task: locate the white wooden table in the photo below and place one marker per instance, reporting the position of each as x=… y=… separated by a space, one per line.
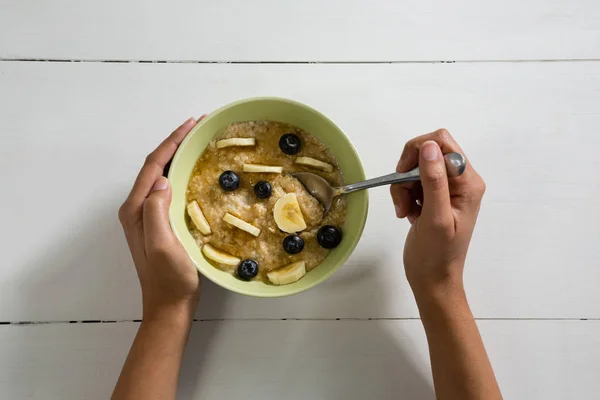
x=88 y=88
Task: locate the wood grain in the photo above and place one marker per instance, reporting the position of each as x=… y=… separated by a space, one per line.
x=310 y=30
x=75 y=134
x=299 y=360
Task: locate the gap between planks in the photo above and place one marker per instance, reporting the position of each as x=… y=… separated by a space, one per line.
x=126 y=61
x=97 y=321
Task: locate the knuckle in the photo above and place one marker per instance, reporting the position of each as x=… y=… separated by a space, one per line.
x=481 y=187
x=153 y=202
x=475 y=192
x=125 y=214
x=442 y=135
x=150 y=159
x=161 y=250
x=405 y=151
x=415 y=142
x=446 y=232
x=442 y=226
x=171 y=141
x=411 y=143
x=477 y=189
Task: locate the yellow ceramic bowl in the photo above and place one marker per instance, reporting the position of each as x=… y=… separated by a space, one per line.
x=274 y=109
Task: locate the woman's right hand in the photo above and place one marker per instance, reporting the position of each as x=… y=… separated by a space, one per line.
x=170 y=282
x=438 y=240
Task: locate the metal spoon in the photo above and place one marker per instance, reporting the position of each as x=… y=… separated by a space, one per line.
x=322 y=190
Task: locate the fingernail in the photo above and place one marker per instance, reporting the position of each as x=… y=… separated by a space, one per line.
x=429 y=151
x=202 y=117
x=398 y=211
x=190 y=120
x=161 y=184
x=411 y=219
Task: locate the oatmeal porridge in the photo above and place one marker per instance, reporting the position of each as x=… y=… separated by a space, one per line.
x=249 y=216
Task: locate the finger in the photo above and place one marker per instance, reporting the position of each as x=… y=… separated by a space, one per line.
x=416 y=200
x=157 y=231
x=134 y=234
x=168 y=164
x=464 y=189
x=131 y=220
x=437 y=209
x=414 y=212
x=401 y=199
x=412 y=218
x=410 y=153
x=155 y=163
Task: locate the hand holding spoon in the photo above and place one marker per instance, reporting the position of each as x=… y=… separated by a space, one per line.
x=322 y=190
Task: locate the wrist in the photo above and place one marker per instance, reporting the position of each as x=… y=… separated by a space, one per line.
x=438 y=291
x=443 y=303
x=178 y=313
x=435 y=282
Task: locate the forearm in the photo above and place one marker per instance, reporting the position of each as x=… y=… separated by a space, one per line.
x=460 y=365
x=152 y=366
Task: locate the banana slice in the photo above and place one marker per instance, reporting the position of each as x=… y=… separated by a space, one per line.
x=288 y=215
x=270 y=169
x=218 y=256
x=195 y=213
x=311 y=162
x=240 y=223
x=235 y=142
x=288 y=274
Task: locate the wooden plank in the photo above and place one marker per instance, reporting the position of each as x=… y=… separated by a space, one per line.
x=74 y=136
x=300 y=359
x=311 y=30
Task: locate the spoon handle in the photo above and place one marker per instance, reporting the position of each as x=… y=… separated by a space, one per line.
x=455 y=166
x=396 y=177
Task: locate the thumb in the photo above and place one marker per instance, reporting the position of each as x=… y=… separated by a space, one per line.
x=156 y=214
x=437 y=209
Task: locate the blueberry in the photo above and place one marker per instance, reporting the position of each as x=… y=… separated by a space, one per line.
x=262 y=189
x=247 y=269
x=293 y=244
x=290 y=143
x=229 y=180
x=329 y=237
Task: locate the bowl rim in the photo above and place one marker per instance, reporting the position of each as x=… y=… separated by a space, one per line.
x=364 y=210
